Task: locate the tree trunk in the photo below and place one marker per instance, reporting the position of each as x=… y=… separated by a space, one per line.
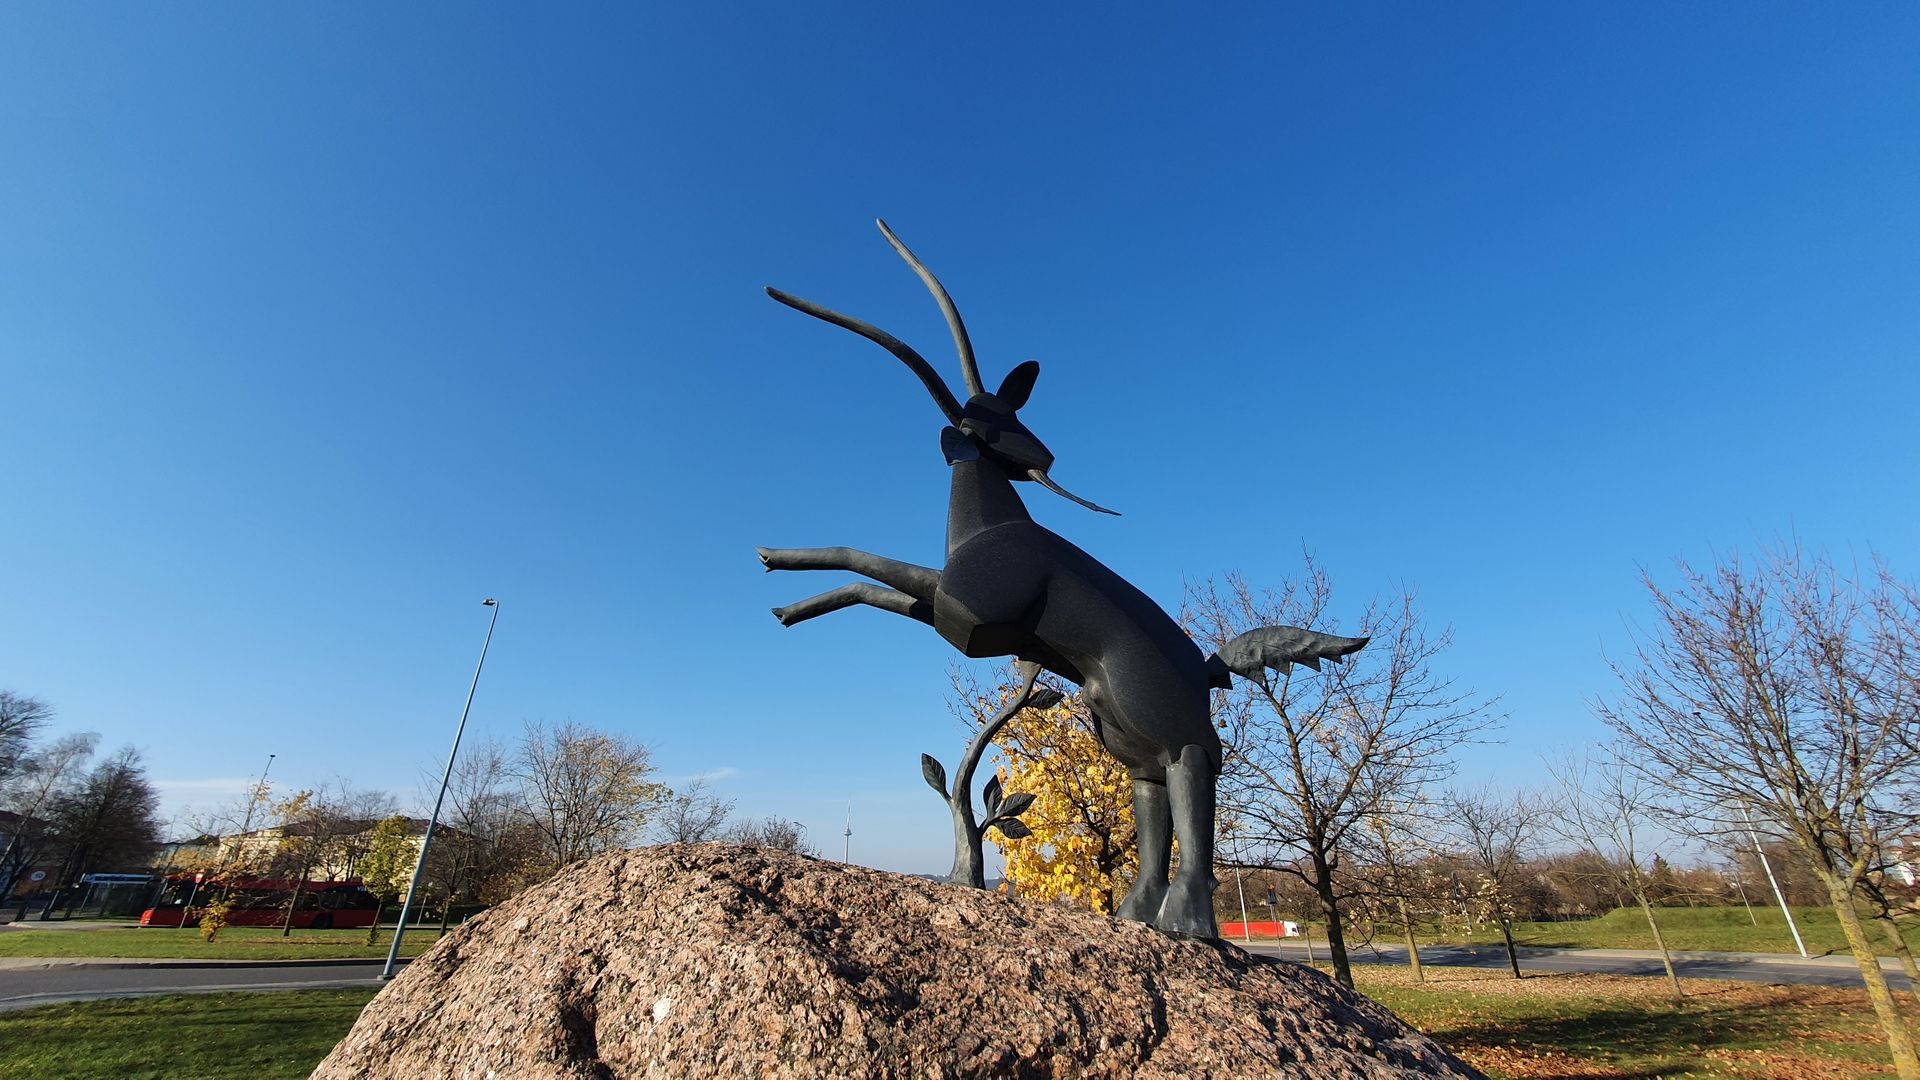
x=1413 y=947
x=286 y=928
x=1336 y=934
x=1506 y=933
x=1906 y=1063
x=968 y=868
x=1899 y=945
x=1660 y=942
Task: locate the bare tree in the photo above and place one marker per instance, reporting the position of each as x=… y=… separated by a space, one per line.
x=694 y=815
x=1496 y=833
x=1312 y=758
x=487 y=849
x=107 y=819
x=21 y=718
x=772 y=832
x=1786 y=686
x=42 y=778
x=1606 y=808
x=1400 y=883
x=587 y=791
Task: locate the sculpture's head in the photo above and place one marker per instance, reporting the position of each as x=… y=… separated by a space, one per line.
x=989 y=421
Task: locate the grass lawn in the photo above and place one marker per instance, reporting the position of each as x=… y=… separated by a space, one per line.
x=1568 y=1026
x=1703 y=929
x=234 y=943
x=1562 y=1026
x=206 y=1036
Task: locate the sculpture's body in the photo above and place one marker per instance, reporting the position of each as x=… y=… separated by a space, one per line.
x=1013 y=588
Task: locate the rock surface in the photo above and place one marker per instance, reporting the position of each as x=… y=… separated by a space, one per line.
x=714 y=960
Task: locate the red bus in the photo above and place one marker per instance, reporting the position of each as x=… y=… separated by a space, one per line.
x=263 y=902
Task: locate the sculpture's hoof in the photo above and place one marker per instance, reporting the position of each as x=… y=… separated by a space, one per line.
x=781 y=614
x=765 y=565
x=1202 y=928
x=1141 y=905
x=1188 y=909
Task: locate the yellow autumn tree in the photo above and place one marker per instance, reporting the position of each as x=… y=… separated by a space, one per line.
x=1081 y=844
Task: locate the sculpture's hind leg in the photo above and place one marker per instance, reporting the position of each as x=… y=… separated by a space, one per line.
x=1153 y=833
x=859 y=592
x=916 y=581
x=1188 y=908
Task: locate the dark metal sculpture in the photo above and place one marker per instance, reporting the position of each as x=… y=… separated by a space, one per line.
x=1003 y=813
x=1013 y=588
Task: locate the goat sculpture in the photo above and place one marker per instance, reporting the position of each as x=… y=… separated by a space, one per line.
x=1013 y=588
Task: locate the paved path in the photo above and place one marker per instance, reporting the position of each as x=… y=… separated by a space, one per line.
x=43 y=982
x=28 y=981
x=1746 y=967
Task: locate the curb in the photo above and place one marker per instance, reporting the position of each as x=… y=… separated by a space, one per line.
x=33 y=1001
x=35 y=963
x=1827 y=960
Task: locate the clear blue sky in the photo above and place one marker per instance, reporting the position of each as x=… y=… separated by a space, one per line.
x=318 y=324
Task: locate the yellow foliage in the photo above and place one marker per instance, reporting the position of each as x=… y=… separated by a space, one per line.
x=1082 y=845
x=213 y=918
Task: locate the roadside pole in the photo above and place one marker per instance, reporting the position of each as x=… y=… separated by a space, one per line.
x=1771 y=880
x=433 y=820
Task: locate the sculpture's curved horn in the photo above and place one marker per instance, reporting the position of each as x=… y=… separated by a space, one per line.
x=961 y=343
x=914 y=361
x=1041 y=478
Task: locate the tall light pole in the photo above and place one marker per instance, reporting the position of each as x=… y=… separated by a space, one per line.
x=433 y=820
x=253 y=800
x=1231 y=826
x=1775 y=882
x=253 y=803
x=239 y=841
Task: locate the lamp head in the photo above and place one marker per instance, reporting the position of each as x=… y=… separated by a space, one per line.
x=488 y=602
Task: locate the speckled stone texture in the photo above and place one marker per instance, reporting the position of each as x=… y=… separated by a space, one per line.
x=713 y=960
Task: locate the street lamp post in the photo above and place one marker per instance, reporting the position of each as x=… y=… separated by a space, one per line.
x=433 y=820
x=1775 y=882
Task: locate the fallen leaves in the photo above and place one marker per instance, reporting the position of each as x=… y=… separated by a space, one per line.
x=1573 y=1027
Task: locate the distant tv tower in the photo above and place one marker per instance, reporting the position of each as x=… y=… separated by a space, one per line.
x=846 y=846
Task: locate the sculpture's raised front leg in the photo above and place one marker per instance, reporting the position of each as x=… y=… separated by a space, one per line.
x=916 y=581
x=860 y=592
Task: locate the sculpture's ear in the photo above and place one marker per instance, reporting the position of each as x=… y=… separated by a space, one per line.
x=1018 y=384
x=957 y=447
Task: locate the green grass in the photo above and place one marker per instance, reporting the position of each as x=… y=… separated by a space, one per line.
x=234 y=943
x=1604 y=1025
x=252 y=1036
x=1702 y=929
x=1541 y=1026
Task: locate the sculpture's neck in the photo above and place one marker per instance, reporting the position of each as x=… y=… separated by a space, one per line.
x=981 y=497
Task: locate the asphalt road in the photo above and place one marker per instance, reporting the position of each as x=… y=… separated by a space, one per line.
x=1746 y=967
x=23 y=986
x=25 y=983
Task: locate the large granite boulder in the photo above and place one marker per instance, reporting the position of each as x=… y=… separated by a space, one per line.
x=715 y=960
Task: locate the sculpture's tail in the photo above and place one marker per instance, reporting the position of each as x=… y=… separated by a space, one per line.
x=1278 y=647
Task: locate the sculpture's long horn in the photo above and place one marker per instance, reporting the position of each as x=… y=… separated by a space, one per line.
x=961 y=343
x=914 y=361
x=1041 y=478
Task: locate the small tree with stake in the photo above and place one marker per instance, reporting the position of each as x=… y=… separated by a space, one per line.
x=1003 y=812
